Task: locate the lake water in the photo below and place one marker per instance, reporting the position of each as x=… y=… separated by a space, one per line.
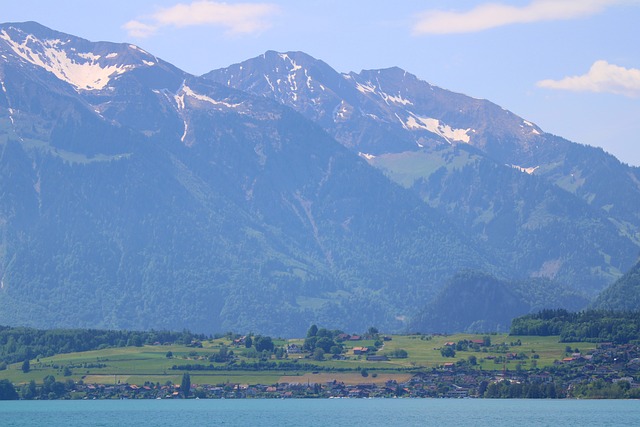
x=322 y=412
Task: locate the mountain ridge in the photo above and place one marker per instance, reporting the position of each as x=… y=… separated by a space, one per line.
x=262 y=219
x=152 y=198
x=419 y=135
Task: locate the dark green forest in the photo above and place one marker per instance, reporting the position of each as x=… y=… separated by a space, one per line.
x=624 y=294
x=619 y=327
x=473 y=301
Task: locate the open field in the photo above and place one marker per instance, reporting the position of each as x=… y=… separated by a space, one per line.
x=137 y=365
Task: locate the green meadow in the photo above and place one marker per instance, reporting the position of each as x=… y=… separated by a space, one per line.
x=137 y=365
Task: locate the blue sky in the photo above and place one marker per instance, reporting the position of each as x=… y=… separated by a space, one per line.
x=570 y=66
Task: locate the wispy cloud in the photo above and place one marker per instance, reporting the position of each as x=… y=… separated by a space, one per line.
x=139 y=29
x=602 y=77
x=492 y=15
x=238 y=18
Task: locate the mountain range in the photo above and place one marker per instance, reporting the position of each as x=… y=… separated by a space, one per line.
x=278 y=192
x=499 y=176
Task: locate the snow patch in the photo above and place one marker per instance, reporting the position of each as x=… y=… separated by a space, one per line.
x=273 y=89
x=180 y=101
x=4 y=90
x=342 y=112
x=529 y=171
x=291 y=77
x=90 y=56
x=308 y=80
x=149 y=63
x=433 y=125
x=531 y=125
x=186 y=128
x=87 y=75
x=404 y=125
x=134 y=47
x=395 y=99
x=111 y=55
x=295 y=66
x=368 y=88
x=293 y=85
x=390 y=98
x=190 y=93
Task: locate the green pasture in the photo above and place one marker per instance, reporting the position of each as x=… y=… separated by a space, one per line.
x=425 y=350
x=136 y=365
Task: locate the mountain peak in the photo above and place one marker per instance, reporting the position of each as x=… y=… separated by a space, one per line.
x=83 y=64
x=292 y=54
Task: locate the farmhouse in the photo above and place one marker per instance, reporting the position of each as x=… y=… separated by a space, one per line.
x=360 y=350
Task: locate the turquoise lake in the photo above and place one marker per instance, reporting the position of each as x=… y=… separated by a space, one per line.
x=322 y=412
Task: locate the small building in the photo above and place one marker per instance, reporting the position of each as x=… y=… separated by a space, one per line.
x=294 y=349
x=377 y=358
x=360 y=350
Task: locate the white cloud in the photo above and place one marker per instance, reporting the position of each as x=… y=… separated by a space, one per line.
x=139 y=29
x=602 y=77
x=492 y=15
x=238 y=18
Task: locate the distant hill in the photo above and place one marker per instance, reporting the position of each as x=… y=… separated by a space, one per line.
x=477 y=302
x=622 y=295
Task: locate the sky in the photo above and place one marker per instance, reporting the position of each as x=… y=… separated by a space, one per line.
x=570 y=66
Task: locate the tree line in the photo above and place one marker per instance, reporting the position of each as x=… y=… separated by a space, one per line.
x=620 y=327
x=18 y=344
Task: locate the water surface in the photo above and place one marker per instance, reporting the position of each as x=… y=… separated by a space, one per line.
x=322 y=412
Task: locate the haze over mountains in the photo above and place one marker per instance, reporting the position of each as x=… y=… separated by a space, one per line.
x=278 y=192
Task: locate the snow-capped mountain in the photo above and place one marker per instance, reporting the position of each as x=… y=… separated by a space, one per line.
x=147 y=197
x=161 y=199
x=377 y=111
x=471 y=159
x=84 y=65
